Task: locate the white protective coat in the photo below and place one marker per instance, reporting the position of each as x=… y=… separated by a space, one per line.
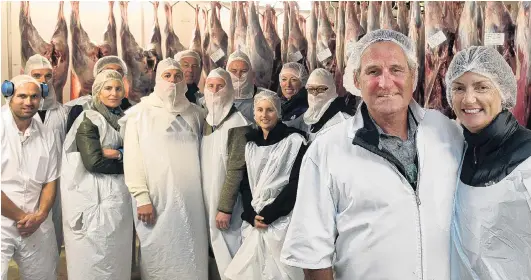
x=176 y=246
x=268 y=169
x=491 y=229
x=356 y=213
x=97 y=218
x=214 y=159
x=337 y=118
x=25 y=168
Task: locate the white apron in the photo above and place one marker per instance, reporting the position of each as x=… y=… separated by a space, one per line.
x=225 y=243
x=268 y=169
x=97 y=218
x=491 y=231
x=176 y=246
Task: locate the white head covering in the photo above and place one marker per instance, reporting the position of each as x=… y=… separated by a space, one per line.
x=219 y=103
x=172 y=95
x=380 y=35
x=488 y=62
x=100 y=80
x=244 y=86
x=317 y=105
x=37 y=62
x=21 y=80
x=295 y=69
x=187 y=53
x=104 y=61
x=272 y=97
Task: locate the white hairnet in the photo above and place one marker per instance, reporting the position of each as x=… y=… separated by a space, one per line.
x=265 y=94
x=37 y=61
x=20 y=80
x=322 y=77
x=187 y=53
x=380 y=35
x=239 y=55
x=221 y=73
x=220 y=103
x=166 y=64
x=488 y=62
x=296 y=69
x=106 y=60
x=100 y=80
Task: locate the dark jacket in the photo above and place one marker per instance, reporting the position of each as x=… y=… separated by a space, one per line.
x=191 y=93
x=285 y=201
x=296 y=106
x=76 y=110
x=89 y=146
x=496 y=151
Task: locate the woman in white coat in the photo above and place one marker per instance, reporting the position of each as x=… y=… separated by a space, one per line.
x=162 y=172
x=96 y=204
x=222 y=166
x=273 y=155
x=491 y=229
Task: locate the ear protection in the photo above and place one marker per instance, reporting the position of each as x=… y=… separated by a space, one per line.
x=8 y=89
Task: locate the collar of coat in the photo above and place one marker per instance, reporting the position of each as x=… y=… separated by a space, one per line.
x=338 y=105
x=277 y=134
x=208 y=129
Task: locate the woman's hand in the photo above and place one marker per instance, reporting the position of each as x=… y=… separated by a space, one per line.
x=259 y=222
x=111 y=153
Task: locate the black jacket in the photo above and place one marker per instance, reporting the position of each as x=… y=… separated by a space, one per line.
x=296 y=106
x=496 y=151
x=76 y=110
x=191 y=93
x=285 y=201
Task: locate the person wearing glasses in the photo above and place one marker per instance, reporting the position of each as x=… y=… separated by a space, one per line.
x=190 y=62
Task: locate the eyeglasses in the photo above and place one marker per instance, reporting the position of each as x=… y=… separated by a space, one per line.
x=317 y=90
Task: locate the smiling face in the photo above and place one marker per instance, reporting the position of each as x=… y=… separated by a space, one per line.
x=385 y=80
x=25 y=101
x=265 y=115
x=290 y=84
x=476 y=101
x=112 y=93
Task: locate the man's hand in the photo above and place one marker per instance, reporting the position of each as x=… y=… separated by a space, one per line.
x=146 y=214
x=111 y=153
x=30 y=223
x=223 y=220
x=259 y=222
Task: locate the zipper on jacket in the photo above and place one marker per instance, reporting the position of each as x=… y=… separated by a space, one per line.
x=475 y=157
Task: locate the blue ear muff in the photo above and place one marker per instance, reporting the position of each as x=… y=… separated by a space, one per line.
x=7 y=88
x=44 y=90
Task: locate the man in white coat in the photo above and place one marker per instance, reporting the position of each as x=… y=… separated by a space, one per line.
x=53 y=115
x=376 y=191
x=29 y=173
x=163 y=173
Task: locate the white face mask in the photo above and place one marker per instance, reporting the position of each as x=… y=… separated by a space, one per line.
x=218 y=105
x=172 y=95
x=49 y=102
x=243 y=88
x=317 y=106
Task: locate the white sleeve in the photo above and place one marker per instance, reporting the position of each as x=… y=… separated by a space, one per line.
x=52 y=172
x=310 y=240
x=134 y=173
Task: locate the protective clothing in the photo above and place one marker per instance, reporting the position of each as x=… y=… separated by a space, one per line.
x=214 y=167
x=490 y=230
x=219 y=103
x=106 y=60
x=380 y=35
x=270 y=96
x=317 y=105
x=38 y=61
x=488 y=62
x=97 y=218
x=296 y=69
x=99 y=81
x=172 y=95
x=162 y=168
x=268 y=169
x=29 y=160
x=243 y=86
x=187 y=53
x=353 y=205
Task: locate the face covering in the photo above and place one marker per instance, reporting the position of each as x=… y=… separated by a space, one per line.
x=243 y=88
x=317 y=106
x=218 y=105
x=172 y=95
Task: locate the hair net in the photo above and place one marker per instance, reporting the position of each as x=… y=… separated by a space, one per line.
x=296 y=69
x=265 y=94
x=20 y=80
x=488 y=62
x=166 y=64
x=106 y=60
x=318 y=104
x=380 y=35
x=100 y=80
x=172 y=95
x=37 y=61
x=221 y=73
x=187 y=53
x=220 y=103
x=322 y=77
x=239 y=55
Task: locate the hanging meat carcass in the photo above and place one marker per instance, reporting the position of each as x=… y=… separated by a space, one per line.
x=258 y=50
x=498 y=21
x=469 y=32
x=522 y=110
x=402 y=16
x=297 y=44
x=173 y=44
x=240 y=35
x=416 y=34
x=326 y=41
x=387 y=20
x=340 y=49
x=216 y=53
x=312 y=38
x=353 y=29
x=373 y=17
x=273 y=40
x=155 y=44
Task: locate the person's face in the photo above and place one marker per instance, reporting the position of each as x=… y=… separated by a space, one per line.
x=265 y=115
x=316 y=90
x=290 y=84
x=238 y=68
x=115 y=67
x=42 y=75
x=173 y=76
x=25 y=101
x=384 y=79
x=111 y=94
x=476 y=101
x=215 y=84
x=191 y=69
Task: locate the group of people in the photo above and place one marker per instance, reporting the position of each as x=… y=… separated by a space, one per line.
x=270 y=185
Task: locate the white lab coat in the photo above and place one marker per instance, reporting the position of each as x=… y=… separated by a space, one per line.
x=25 y=168
x=337 y=118
x=491 y=229
x=165 y=148
x=214 y=159
x=55 y=120
x=383 y=229
x=97 y=218
x=268 y=170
